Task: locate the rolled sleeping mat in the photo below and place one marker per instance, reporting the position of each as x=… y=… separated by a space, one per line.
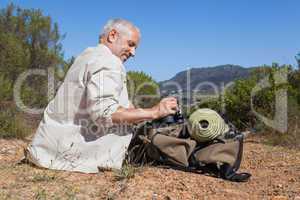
x=206 y=124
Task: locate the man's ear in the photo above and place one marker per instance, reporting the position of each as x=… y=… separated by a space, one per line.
x=112 y=35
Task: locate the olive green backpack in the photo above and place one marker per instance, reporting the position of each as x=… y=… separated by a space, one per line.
x=170 y=145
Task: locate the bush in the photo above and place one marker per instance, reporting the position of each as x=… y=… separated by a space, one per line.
x=28 y=40
x=237 y=103
x=5 y=89
x=142 y=89
x=12 y=123
x=238 y=100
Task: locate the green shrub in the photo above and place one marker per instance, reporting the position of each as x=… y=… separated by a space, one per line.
x=5 y=89
x=28 y=40
x=237 y=103
x=142 y=89
x=35 y=96
x=12 y=123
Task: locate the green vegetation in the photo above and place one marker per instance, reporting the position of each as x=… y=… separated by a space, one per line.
x=28 y=40
x=235 y=103
x=143 y=91
x=126 y=172
x=12 y=125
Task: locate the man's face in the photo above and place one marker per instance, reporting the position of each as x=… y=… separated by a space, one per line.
x=123 y=45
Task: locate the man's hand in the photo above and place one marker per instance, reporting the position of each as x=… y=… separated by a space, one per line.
x=131 y=106
x=165 y=107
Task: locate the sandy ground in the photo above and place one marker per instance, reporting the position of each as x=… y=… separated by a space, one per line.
x=275 y=175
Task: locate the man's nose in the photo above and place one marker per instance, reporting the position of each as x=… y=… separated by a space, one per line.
x=132 y=52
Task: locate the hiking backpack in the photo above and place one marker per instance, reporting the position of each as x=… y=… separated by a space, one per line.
x=168 y=143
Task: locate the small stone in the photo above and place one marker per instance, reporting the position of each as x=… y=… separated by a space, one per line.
x=279 y=198
x=154 y=196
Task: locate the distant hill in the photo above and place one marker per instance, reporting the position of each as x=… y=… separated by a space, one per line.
x=207 y=76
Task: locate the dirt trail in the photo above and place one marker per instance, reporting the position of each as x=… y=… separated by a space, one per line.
x=275 y=175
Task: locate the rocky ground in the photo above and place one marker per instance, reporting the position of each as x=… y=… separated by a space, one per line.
x=275 y=175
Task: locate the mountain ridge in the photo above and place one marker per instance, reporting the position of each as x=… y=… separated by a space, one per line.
x=204 y=78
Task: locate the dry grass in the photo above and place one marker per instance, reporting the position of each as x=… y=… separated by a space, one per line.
x=275 y=171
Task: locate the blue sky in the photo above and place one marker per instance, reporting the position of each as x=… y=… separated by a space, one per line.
x=177 y=35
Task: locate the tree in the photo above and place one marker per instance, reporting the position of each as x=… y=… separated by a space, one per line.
x=28 y=40
x=143 y=91
x=298 y=59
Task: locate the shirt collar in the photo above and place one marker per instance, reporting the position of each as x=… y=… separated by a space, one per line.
x=106 y=49
x=103 y=46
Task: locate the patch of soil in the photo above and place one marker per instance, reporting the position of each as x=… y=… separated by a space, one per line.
x=275 y=175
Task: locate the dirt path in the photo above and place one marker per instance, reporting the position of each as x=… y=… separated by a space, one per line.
x=275 y=175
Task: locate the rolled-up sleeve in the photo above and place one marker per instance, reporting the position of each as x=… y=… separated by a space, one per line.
x=103 y=89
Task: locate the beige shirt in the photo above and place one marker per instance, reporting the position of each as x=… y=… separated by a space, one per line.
x=76 y=132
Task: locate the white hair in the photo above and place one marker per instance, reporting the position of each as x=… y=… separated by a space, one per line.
x=121 y=25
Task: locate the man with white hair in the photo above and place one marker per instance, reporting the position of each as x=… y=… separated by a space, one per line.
x=83 y=126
